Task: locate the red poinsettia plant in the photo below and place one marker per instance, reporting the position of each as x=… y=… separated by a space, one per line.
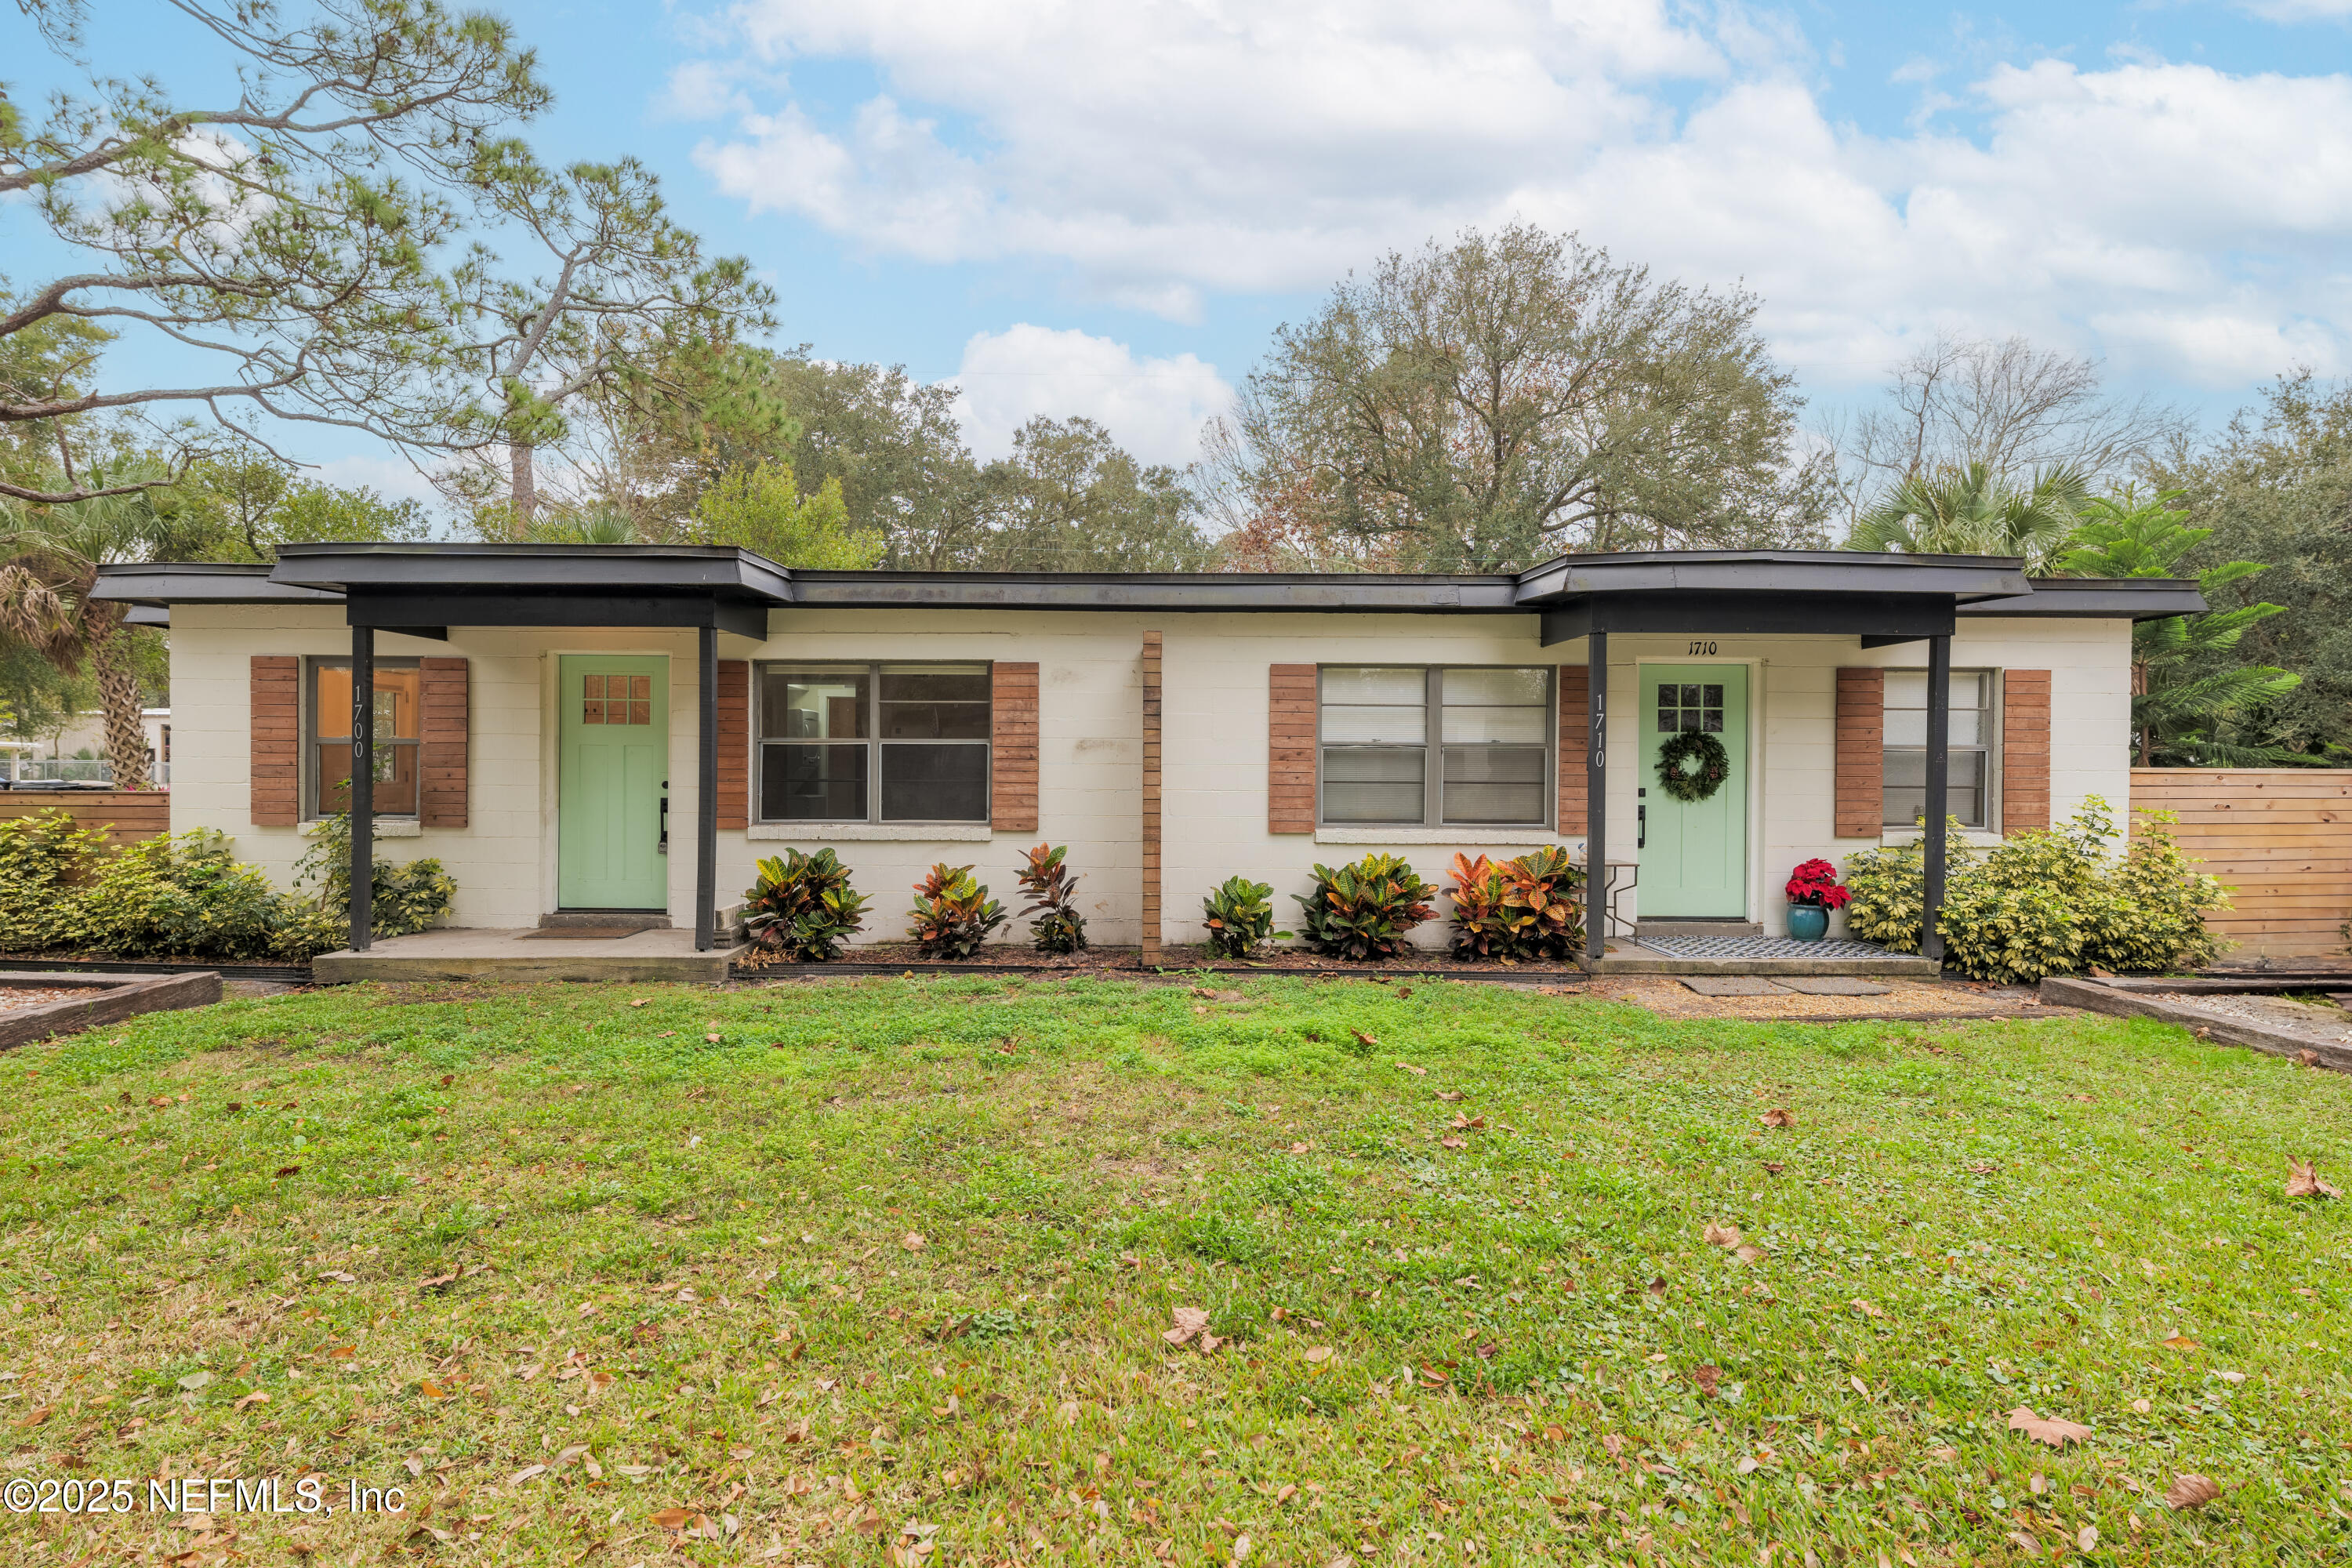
x=1815 y=882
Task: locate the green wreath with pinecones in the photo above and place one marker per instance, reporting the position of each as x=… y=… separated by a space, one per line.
x=1687 y=745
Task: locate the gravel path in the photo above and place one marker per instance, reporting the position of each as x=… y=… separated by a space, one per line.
x=2331 y=1026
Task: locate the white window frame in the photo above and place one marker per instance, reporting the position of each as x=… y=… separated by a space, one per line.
x=313 y=807
x=873 y=741
x=1988 y=797
x=1433 y=748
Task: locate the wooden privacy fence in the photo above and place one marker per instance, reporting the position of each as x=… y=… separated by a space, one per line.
x=2281 y=838
x=128 y=814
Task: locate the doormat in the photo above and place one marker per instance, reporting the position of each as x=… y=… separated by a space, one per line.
x=580 y=933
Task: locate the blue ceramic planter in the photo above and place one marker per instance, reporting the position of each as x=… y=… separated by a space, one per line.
x=1807 y=922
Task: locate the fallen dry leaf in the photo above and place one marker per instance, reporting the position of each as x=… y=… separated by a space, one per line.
x=2190 y=1491
x=1190 y=1321
x=2181 y=1343
x=676 y=1518
x=1452 y=1143
x=640 y=1001
x=195 y=1380
x=1747 y=1254
x=913 y=1241
x=1722 y=1235
x=1320 y=1352
x=2141 y=1406
x=1865 y=1308
x=2303 y=1182
x=1707 y=1377
x=1780 y=1117
x=2054 y=1430
x=1417 y=1072
x=287 y=1171
x=1452 y=1095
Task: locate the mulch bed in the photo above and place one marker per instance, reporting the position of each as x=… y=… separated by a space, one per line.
x=895 y=957
x=294 y=974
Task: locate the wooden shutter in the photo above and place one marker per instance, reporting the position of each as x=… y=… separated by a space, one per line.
x=1290 y=749
x=1013 y=748
x=1575 y=739
x=1861 y=752
x=276 y=767
x=2024 y=750
x=446 y=744
x=734 y=743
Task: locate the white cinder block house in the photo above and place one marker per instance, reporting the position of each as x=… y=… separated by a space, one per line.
x=628 y=729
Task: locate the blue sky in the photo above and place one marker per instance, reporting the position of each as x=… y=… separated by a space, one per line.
x=1106 y=208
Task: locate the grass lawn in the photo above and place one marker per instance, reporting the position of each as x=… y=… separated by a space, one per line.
x=880 y=1272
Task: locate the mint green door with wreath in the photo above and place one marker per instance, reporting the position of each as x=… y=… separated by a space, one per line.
x=1694 y=853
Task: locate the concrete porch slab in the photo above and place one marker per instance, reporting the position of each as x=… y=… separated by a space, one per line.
x=1835 y=986
x=1729 y=986
x=466 y=953
x=1769 y=957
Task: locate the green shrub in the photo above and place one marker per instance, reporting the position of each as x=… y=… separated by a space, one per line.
x=403 y=899
x=1522 y=911
x=182 y=896
x=2155 y=919
x=802 y=908
x=2050 y=902
x=1239 y=916
x=1362 y=911
x=42 y=858
x=953 y=913
x=1053 y=894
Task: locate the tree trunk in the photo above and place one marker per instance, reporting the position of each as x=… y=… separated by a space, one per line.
x=118 y=697
x=525 y=494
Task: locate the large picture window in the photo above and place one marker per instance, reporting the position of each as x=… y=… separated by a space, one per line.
x=1968 y=781
x=873 y=742
x=1419 y=747
x=399 y=728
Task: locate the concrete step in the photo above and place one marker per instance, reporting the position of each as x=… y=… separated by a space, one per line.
x=610 y=920
x=1696 y=928
x=1628 y=962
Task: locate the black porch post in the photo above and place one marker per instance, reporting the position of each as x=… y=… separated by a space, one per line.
x=1596 y=796
x=706 y=799
x=1939 y=769
x=363 y=866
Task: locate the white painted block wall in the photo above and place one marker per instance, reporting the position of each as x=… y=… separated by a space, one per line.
x=1090 y=744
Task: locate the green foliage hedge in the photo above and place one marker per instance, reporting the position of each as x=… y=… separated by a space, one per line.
x=2055 y=901
x=180 y=895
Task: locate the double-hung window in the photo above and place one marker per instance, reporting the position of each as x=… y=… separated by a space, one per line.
x=1419 y=747
x=1969 y=780
x=399 y=726
x=873 y=742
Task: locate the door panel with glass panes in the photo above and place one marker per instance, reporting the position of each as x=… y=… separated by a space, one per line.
x=1694 y=854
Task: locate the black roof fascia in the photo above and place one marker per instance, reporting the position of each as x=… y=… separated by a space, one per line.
x=2099 y=599
x=722 y=570
x=202 y=582
x=1193 y=590
x=1955 y=578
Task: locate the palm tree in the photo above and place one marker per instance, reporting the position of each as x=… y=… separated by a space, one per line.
x=49 y=558
x=1973 y=511
x=2177 y=712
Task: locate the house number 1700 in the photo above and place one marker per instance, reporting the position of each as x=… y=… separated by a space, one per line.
x=1698 y=647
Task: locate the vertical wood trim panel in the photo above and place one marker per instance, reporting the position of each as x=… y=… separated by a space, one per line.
x=1151 y=802
x=275 y=775
x=734 y=798
x=1567 y=754
x=444 y=749
x=1290 y=749
x=1013 y=749
x=1861 y=767
x=2024 y=750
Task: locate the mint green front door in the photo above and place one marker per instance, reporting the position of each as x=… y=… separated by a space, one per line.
x=610 y=780
x=1694 y=853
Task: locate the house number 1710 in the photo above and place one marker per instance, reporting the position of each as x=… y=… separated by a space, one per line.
x=1698 y=647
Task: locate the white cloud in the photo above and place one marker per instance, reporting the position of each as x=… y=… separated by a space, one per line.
x=2298 y=10
x=389 y=477
x=1154 y=408
x=2185 y=217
